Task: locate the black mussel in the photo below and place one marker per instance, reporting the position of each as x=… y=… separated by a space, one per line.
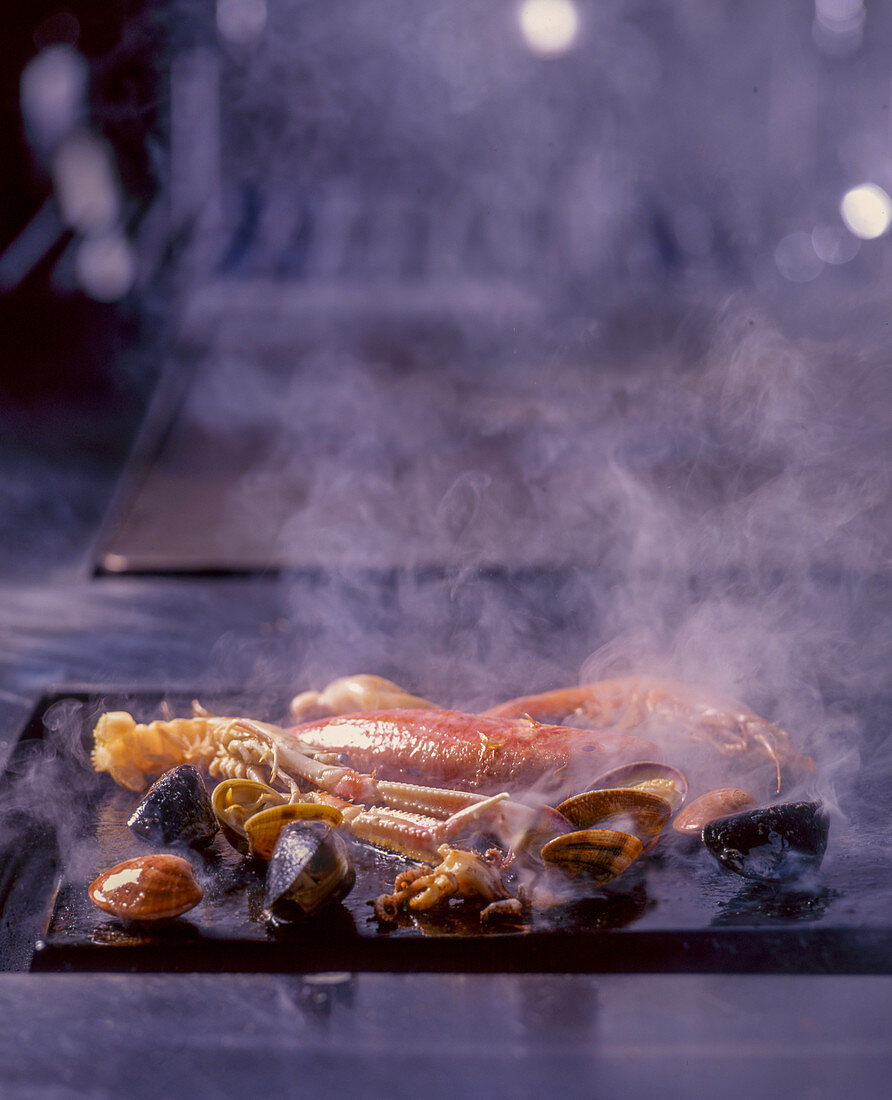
x=176 y=809
x=310 y=868
x=772 y=844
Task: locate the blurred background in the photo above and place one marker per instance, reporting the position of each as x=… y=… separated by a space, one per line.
x=316 y=208
x=593 y=297
x=488 y=346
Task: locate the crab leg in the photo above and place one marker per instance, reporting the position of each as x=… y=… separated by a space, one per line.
x=417 y=836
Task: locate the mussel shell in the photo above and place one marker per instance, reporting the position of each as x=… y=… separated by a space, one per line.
x=310 y=869
x=772 y=844
x=262 y=830
x=624 y=809
x=176 y=809
x=718 y=803
x=235 y=800
x=598 y=854
x=647 y=775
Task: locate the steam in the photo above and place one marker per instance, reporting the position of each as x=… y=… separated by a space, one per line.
x=438 y=369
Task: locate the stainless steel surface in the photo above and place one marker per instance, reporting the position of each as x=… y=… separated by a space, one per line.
x=499 y=1035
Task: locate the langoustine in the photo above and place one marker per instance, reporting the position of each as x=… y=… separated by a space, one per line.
x=649 y=707
x=472 y=752
x=509 y=747
x=409 y=819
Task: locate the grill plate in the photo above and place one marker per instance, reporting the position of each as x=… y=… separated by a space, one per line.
x=678 y=912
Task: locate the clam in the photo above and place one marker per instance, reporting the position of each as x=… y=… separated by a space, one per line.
x=235 y=800
x=176 y=809
x=626 y=809
x=150 y=888
x=310 y=869
x=600 y=854
x=262 y=830
x=709 y=806
x=772 y=844
x=650 y=776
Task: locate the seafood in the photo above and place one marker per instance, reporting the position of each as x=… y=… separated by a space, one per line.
x=459 y=875
x=175 y=809
x=408 y=819
x=235 y=800
x=469 y=751
x=310 y=869
x=368 y=765
x=624 y=808
x=650 y=776
x=709 y=806
x=355 y=695
x=263 y=830
x=646 y=706
x=599 y=854
x=150 y=888
x=772 y=844
x=653 y=705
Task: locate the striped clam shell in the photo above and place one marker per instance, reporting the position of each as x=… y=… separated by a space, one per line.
x=626 y=809
x=263 y=829
x=647 y=775
x=599 y=854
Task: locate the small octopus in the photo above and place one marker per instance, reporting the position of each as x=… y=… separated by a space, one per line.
x=462 y=875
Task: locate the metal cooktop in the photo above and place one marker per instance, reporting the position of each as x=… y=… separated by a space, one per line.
x=677 y=912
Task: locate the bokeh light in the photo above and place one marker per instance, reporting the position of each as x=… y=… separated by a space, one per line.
x=241 y=20
x=833 y=244
x=549 y=27
x=86 y=186
x=866 y=211
x=105 y=266
x=53 y=94
x=796 y=258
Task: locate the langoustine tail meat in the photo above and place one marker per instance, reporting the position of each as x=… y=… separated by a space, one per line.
x=482 y=753
x=642 y=705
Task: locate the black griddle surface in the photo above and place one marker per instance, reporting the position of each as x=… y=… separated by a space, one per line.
x=675 y=912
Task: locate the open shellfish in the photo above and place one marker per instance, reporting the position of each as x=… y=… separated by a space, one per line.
x=647 y=775
x=310 y=869
x=263 y=829
x=236 y=800
x=625 y=809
